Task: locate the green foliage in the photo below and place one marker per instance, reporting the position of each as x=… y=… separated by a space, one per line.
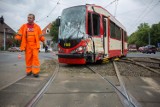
x=140 y=37
x=54 y=31
x=155 y=33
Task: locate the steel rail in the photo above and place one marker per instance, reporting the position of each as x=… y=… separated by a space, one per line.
x=122 y=85
x=108 y=81
x=157 y=59
x=142 y=65
x=37 y=97
x=148 y=62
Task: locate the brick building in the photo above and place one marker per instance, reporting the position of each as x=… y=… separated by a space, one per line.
x=9 y=32
x=46 y=32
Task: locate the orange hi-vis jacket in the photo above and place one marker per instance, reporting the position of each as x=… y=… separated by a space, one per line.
x=30 y=36
x=22 y=35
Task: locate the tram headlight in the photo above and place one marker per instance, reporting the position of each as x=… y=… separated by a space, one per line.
x=80 y=49
x=60 y=50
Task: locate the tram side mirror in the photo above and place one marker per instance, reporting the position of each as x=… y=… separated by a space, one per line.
x=58 y=21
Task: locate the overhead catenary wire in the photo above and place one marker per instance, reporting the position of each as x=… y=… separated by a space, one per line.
x=140 y=15
x=116 y=4
x=58 y=2
x=143 y=14
x=110 y=3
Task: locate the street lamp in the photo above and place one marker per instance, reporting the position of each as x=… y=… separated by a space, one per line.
x=5 y=29
x=2 y=22
x=149 y=37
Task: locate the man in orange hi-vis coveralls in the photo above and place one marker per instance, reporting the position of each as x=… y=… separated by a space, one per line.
x=30 y=35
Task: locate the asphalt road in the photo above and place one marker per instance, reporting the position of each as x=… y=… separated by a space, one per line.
x=139 y=54
x=12 y=68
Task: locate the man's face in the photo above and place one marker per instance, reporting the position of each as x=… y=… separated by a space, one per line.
x=30 y=19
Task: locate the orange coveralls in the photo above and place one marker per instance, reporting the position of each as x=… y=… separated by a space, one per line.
x=30 y=37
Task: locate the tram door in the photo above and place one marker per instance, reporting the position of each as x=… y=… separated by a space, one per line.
x=105 y=37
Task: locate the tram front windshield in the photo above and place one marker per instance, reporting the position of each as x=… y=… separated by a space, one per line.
x=73 y=23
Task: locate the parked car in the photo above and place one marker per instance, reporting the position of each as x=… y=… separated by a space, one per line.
x=132 y=48
x=149 y=49
x=14 y=49
x=141 y=49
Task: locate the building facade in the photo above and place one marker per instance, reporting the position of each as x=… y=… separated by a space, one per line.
x=9 y=35
x=46 y=32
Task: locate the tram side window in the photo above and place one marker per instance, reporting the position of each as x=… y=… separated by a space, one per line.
x=104 y=27
x=118 y=32
x=112 y=30
x=125 y=36
x=89 y=24
x=96 y=24
x=115 y=31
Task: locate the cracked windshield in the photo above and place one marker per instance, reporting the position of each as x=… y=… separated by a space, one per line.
x=73 y=23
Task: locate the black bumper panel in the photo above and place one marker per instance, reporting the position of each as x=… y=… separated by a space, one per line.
x=70 y=55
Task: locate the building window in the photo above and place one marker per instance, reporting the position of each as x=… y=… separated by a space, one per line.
x=47 y=31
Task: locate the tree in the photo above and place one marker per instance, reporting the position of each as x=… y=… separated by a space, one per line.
x=155 y=34
x=140 y=37
x=54 y=31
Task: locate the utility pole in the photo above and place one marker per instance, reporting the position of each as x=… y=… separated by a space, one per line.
x=2 y=22
x=149 y=38
x=4 y=39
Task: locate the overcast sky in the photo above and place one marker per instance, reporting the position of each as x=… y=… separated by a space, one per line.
x=129 y=12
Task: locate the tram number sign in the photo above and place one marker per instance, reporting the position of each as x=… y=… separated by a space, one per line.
x=67 y=44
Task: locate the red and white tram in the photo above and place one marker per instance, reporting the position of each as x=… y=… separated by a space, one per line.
x=89 y=33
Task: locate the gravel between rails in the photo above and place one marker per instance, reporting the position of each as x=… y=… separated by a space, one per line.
x=145 y=59
x=128 y=69
x=148 y=64
x=104 y=69
x=47 y=66
x=72 y=69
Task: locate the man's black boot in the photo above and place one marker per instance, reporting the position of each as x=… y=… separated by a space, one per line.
x=30 y=73
x=36 y=75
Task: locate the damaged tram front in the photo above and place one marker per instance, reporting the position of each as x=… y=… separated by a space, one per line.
x=83 y=35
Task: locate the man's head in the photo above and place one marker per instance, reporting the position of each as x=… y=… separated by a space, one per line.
x=31 y=18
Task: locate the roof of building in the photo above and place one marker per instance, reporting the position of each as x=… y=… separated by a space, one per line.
x=8 y=29
x=44 y=30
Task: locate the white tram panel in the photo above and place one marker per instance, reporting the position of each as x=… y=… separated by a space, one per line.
x=115 y=44
x=106 y=13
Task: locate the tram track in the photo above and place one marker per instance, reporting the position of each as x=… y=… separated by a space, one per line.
x=41 y=92
x=121 y=90
x=139 y=76
x=149 y=65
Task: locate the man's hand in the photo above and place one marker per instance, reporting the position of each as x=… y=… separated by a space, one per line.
x=44 y=44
